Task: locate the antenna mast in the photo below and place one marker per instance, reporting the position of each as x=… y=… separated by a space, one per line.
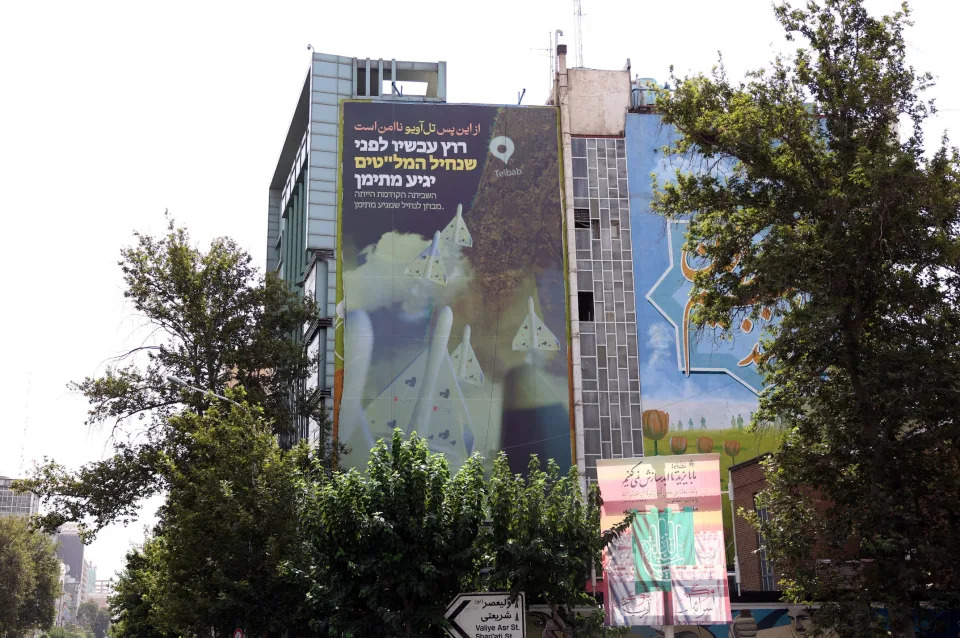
x=578 y=31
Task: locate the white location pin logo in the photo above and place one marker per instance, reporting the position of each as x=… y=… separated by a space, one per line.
x=504 y=143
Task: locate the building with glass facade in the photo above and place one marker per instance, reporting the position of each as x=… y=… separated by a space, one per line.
x=16 y=503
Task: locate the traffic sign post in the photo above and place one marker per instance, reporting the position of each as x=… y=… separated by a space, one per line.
x=487 y=615
x=238 y=633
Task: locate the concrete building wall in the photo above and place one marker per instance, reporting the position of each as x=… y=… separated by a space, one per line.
x=598 y=101
x=612 y=425
x=273 y=230
x=594 y=105
x=331 y=80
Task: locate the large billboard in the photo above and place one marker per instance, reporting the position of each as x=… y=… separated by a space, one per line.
x=451 y=288
x=699 y=387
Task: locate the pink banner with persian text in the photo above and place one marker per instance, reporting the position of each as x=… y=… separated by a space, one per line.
x=669 y=567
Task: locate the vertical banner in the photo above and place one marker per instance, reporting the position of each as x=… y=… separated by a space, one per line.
x=452 y=295
x=669 y=567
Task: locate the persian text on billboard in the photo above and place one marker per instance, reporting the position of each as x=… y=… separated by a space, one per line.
x=669 y=568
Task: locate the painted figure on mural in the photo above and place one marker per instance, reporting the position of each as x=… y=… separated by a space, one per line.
x=800 y=619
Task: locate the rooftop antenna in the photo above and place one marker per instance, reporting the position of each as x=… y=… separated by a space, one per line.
x=520 y=96
x=578 y=31
x=26 y=423
x=310 y=47
x=549 y=52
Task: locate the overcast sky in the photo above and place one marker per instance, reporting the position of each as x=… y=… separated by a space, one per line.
x=112 y=112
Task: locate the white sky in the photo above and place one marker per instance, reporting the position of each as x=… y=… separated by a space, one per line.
x=111 y=112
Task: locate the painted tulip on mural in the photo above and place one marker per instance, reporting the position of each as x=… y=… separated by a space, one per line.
x=655 y=426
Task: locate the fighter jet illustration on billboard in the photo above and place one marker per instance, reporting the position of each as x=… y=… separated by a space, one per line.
x=429 y=264
x=456 y=231
x=426 y=398
x=465 y=361
x=533 y=333
x=358 y=341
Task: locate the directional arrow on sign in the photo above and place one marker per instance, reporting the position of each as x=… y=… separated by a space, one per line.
x=487 y=614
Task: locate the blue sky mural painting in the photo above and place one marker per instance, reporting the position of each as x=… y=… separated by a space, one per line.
x=698 y=388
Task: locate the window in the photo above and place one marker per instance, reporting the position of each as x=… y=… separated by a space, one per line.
x=768 y=581
x=595 y=228
x=581 y=218
x=615 y=229
x=585 y=304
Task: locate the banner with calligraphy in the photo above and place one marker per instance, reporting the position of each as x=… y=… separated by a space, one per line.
x=669 y=567
x=452 y=311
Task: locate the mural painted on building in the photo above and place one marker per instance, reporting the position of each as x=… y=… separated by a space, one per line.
x=793 y=621
x=790 y=622
x=452 y=314
x=698 y=391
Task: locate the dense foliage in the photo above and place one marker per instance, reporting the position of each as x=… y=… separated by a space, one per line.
x=211 y=320
x=265 y=540
x=227 y=544
x=29 y=578
x=391 y=549
x=544 y=536
x=850 y=229
x=93 y=619
x=137 y=599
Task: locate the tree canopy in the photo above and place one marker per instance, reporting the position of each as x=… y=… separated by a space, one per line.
x=213 y=321
x=91 y=617
x=820 y=207
x=391 y=549
x=29 y=578
x=227 y=547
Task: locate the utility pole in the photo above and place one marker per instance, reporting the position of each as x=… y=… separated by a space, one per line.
x=578 y=31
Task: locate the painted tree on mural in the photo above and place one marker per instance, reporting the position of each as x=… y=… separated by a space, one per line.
x=849 y=226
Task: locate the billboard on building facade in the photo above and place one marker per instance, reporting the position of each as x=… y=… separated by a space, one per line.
x=452 y=312
x=698 y=390
x=669 y=567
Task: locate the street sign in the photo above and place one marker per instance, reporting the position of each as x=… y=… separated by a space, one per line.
x=487 y=615
x=238 y=633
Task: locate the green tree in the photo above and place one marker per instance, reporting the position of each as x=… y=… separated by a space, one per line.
x=70 y=631
x=544 y=537
x=137 y=594
x=227 y=546
x=850 y=230
x=213 y=321
x=86 y=612
x=101 y=623
x=392 y=548
x=29 y=578
x=93 y=619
